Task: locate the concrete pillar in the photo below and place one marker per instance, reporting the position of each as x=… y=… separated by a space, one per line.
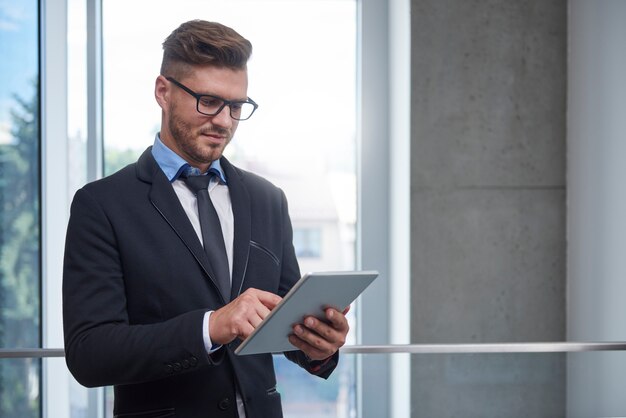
x=488 y=203
x=597 y=204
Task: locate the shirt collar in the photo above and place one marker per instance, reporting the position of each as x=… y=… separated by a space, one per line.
x=173 y=164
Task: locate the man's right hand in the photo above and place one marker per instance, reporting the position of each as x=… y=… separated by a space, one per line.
x=241 y=316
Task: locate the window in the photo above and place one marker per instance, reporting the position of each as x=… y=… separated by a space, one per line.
x=19 y=205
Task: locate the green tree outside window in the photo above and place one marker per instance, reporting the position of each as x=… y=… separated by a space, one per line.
x=20 y=260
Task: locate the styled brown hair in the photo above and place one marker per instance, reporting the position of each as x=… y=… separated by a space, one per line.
x=199 y=42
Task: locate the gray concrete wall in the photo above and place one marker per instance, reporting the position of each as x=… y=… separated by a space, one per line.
x=488 y=203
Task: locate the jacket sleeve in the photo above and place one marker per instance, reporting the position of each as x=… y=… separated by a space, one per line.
x=102 y=347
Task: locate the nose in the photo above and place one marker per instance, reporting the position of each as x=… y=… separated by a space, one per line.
x=223 y=118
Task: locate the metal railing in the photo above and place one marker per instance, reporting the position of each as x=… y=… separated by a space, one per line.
x=31 y=352
x=536 y=347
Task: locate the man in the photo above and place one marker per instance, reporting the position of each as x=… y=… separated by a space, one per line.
x=154 y=303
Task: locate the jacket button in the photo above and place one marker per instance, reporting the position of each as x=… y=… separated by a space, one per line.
x=177 y=367
x=224 y=404
x=169 y=369
x=185 y=364
x=193 y=361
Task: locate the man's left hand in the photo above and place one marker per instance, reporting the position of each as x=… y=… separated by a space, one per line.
x=318 y=339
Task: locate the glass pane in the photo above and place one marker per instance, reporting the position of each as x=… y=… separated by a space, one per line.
x=302 y=137
x=19 y=205
x=19 y=387
x=77 y=93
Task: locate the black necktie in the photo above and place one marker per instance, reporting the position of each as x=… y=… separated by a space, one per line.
x=211 y=231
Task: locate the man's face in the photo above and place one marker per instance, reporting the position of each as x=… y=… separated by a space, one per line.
x=198 y=138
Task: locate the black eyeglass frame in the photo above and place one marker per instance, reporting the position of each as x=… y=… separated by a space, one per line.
x=229 y=103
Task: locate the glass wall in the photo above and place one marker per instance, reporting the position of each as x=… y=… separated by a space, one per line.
x=19 y=205
x=77 y=93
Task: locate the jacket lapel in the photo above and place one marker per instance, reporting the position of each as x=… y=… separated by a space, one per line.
x=240 y=200
x=164 y=199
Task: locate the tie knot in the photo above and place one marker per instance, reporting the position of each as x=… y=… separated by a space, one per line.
x=197 y=183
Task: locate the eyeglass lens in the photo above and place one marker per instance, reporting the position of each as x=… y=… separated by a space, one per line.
x=213 y=105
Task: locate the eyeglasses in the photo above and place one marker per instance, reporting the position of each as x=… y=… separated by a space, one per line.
x=210 y=105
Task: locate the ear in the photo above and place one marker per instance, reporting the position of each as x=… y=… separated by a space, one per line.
x=162 y=91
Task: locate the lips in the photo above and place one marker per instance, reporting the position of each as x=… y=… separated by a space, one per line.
x=214 y=138
x=217 y=135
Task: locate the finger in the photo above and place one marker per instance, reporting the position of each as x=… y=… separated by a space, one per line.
x=255 y=315
x=323 y=343
x=245 y=330
x=262 y=311
x=312 y=352
x=346 y=310
x=337 y=319
x=247 y=324
x=254 y=322
x=334 y=336
x=269 y=299
x=307 y=335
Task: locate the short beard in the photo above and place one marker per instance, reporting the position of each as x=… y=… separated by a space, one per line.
x=184 y=138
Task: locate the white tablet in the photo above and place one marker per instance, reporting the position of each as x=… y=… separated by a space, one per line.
x=309 y=296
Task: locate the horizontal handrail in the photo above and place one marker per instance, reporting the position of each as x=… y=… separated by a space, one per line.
x=31 y=352
x=541 y=347
x=486 y=348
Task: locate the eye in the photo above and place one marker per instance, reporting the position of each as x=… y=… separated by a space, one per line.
x=210 y=102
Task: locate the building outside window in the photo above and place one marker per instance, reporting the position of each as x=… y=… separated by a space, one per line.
x=308 y=242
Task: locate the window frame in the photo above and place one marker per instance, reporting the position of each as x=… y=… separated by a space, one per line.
x=383 y=232
x=54 y=207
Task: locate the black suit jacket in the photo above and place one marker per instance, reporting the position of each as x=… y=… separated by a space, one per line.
x=137 y=283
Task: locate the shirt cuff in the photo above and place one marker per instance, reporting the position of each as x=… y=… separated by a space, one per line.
x=206 y=335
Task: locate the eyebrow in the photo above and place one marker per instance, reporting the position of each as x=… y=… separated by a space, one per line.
x=190 y=90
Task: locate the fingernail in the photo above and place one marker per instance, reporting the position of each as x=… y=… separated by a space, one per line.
x=308 y=322
x=331 y=313
x=297 y=330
